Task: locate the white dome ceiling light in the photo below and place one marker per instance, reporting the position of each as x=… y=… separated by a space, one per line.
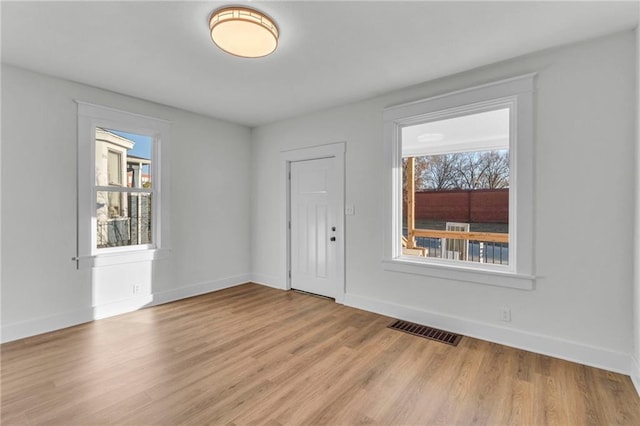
x=244 y=32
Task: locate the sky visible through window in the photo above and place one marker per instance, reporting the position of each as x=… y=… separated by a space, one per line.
x=142 y=147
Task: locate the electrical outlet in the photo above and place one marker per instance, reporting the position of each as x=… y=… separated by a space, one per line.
x=136 y=289
x=505 y=314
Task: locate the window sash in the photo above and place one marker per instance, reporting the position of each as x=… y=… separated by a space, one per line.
x=124 y=189
x=133 y=227
x=465 y=110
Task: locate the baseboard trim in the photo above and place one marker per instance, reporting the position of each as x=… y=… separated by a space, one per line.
x=635 y=373
x=558 y=348
x=119 y=307
x=200 y=288
x=23 y=329
x=267 y=281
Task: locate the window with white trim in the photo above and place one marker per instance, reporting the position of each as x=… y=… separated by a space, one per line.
x=460 y=188
x=123 y=186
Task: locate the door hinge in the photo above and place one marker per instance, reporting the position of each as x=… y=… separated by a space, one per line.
x=289 y=273
x=289 y=224
x=289 y=175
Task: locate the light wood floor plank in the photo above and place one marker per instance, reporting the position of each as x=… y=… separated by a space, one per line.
x=255 y=355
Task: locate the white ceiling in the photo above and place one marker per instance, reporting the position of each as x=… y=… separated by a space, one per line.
x=330 y=53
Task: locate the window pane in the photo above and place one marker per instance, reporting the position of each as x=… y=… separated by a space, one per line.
x=114 y=168
x=112 y=146
x=123 y=218
x=456 y=188
x=483 y=131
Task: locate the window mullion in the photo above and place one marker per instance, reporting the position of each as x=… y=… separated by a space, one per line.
x=123 y=189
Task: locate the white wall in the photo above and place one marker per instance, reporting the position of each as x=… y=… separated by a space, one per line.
x=581 y=308
x=210 y=179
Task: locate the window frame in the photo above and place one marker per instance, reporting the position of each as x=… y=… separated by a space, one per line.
x=508 y=103
x=516 y=94
x=90 y=117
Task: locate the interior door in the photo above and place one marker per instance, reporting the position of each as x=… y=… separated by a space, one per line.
x=313 y=226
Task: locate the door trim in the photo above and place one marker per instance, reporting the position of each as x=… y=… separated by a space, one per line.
x=333 y=150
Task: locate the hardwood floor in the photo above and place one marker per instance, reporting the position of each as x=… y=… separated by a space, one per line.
x=252 y=354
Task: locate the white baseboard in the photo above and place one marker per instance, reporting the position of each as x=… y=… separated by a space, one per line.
x=119 y=307
x=268 y=281
x=635 y=373
x=201 y=288
x=42 y=325
x=571 y=351
x=22 y=329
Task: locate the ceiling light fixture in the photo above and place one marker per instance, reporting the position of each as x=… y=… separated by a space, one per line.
x=243 y=32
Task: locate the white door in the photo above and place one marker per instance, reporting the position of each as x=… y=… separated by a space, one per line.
x=314 y=214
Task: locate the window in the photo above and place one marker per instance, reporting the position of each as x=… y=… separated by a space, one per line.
x=122 y=186
x=124 y=217
x=455 y=188
x=461 y=185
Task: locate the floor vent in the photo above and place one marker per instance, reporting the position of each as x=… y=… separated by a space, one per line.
x=427 y=332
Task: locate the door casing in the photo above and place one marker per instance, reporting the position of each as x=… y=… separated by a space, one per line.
x=333 y=150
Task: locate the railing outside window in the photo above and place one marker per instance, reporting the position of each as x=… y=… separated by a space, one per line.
x=483 y=247
x=134 y=229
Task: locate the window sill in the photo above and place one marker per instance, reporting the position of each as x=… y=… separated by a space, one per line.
x=457 y=273
x=118 y=258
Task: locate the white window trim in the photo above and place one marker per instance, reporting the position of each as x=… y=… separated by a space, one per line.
x=90 y=117
x=515 y=92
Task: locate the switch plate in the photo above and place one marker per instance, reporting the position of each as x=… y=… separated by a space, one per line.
x=350 y=210
x=505 y=314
